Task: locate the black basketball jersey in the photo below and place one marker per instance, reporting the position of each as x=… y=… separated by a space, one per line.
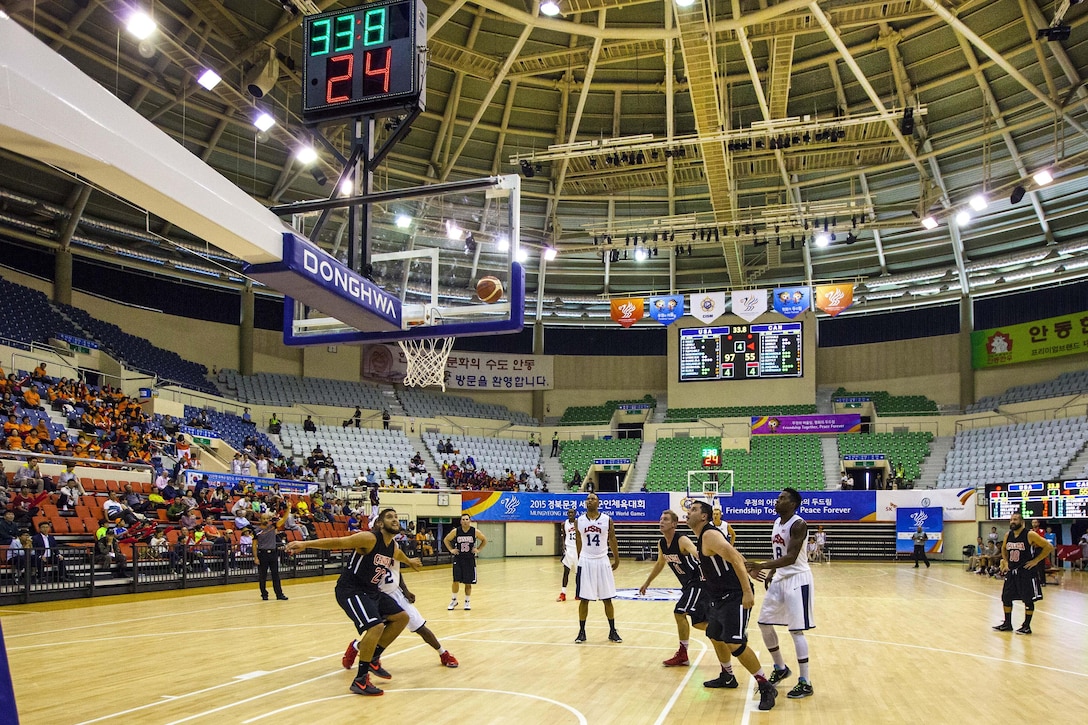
x=464 y=542
x=719 y=577
x=1018 y=549
x=684 y=566
x=366 y=571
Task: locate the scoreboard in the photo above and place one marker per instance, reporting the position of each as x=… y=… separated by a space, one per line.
x=1038 y=499
x=740 y=352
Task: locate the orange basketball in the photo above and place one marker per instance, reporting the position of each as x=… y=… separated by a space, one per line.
x=489 y=289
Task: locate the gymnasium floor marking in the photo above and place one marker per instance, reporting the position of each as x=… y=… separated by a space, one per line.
x=998 y=599
x=581 y=718
x=692 y=669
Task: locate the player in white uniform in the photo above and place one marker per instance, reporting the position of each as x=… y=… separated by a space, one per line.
x=570 y=550
x=789 y=590
x=594 y=579
x=394 y=586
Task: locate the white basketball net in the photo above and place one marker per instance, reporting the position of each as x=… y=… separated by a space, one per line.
x=426 y=361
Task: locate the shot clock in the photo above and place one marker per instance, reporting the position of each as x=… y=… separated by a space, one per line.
x=363 y=61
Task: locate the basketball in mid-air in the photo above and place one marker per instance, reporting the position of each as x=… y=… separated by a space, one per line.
x=489 y=289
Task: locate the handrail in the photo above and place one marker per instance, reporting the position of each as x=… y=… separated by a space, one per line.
x=56 y=459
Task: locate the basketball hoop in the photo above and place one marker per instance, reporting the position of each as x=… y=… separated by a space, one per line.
x=426 y=361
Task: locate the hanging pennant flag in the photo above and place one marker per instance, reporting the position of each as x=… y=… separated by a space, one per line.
x=627 y=312
x=707 y=306
x=749 y=304
x=667 y=309
x=792 y=301
x=834 y=298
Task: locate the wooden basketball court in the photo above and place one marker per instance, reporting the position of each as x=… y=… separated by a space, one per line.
x=893 y=644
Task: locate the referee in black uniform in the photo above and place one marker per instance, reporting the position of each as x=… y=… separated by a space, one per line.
x=266 y=554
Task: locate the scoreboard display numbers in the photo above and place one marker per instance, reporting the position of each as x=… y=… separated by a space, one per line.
x=363 y=60
x=1038 y=499
x=741 y=352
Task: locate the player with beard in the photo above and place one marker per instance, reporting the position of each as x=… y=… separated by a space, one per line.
x=1021 y=581
x=729 y=600
x=594 y=579
x=570 y=550
x=376 y=615
x=680 y=554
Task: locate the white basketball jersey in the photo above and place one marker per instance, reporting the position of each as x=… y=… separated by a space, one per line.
x=391 y=582
x=570 y=537
x=780 y=544
x=594 y=533
x=724 y=528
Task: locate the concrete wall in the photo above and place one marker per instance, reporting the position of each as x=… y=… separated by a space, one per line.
x=531 y=539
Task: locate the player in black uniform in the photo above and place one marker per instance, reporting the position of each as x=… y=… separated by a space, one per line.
x=729 y=599
x=377 y=617
x=682 y=557
x=464 y=542
x=1019 y=566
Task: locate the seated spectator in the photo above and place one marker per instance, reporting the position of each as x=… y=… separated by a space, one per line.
x=31 y=399
x=71 y=489
x=47 y=552
x=134 y=500
x=391 y=473
x=40 y=375
x=245 y=542
x=116 y=510
x=533 y=441
x=186 y=553
x=25 y=505
x=156 y=546
x=108 y=554
x=30 y=475
x=308 y=425
x=20 y=550
x=9 y=529
x=274 y=425
x=175 y=510
x=187 y=519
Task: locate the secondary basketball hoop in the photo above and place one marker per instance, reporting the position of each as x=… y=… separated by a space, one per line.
x=426 y=360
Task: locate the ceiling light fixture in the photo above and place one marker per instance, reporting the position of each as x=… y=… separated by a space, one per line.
x=522 y=256
x=306 y=155
x=685 y=3
x=978 y=202
x=549 y=253
x=822 y=239
x=963 y=218
x=140 y=25
x=1043 y=177
x=503 y=243
x=209 y=79
x=549 y=8
x=264 y=121
x=403 y=221
x=929 y=222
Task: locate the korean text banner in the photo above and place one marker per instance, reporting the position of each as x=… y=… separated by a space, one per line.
x=792 y=301
x=667 y=309
x=759 y=506
x=467 y=370
x=830 y=423
x=552 y=507
x=955 y=504
x=834 y=298
x=627 y=312
x=1038 y=340
x=707 y=306
x=260 y=484
x=749 y=304
x=907 y=521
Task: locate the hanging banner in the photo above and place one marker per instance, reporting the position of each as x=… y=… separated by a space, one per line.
x=852 y=506
x=907 y=521
x=1038 y=340
x=466 y=370
x=808 y=424
x=792 y=301
x=749 y=304
x=707 y=306
x=631 y=507
x=667 y=309
x=834 y=298
x=627 y=312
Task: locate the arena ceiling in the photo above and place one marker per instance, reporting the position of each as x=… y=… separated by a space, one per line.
x=720 y=137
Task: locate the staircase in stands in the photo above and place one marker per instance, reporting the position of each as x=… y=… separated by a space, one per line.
x=932 y=466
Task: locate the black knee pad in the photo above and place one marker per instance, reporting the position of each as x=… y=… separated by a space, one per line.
x=740 y=650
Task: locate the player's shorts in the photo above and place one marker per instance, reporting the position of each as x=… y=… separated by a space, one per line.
x=692 y=603
x=594 y=580
x=570 y=558
x=415 y=619
x=1022 y=585
x=464 y=569
x=727 y=619
x=789 y=602
x=366 y=609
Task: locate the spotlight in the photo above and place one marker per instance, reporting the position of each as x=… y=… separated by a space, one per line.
x=209 y=79
x=347 y=187
x=403 y=221
x=453 y=232
x=593 y=163
x=978 y=202
x=689 y=250
x=655 y=250
x=140 y=25
x=549 y=253
x=319 y=177
x=640 y=254
x=1017 y=194
x=306 y=155
x=853 y=222
x=596 y=242
x=470 y=243
x=963 y=218
x=1054 y=34
x=640 y=158
x=527 y=169
x=503 y=243
x=684 y=3
x=262 y=77
x=522 y=256
x=850 y=238
x=822 y=239
x=1043 y=177
x=929 y=222
x=627 y=241
x=264 y=121
x=549 y=8
x=146 y=49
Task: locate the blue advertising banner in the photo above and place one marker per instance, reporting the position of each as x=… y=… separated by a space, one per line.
x=815 y=506
x=666 y=309
x=792 y=301
x=301 y=488
x=552 y=507
x=830 y=423
x=907 y=521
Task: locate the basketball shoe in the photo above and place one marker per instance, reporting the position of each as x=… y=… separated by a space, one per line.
x=377 y=670
x=580 y=638
x=801 y=689
x=1003 y=627
x=364 y=687
x=767 y=695
x=723 y=680
x=779 y=674
x=1024 y=630
x=561 y=598
x=614 y=636
x=448 y=659
x=680 y=659
x=348 y=660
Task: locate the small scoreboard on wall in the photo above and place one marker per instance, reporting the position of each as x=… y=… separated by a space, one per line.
x=366 y=60
x=1038 y=499
x=741 y=352
x=712 y=458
